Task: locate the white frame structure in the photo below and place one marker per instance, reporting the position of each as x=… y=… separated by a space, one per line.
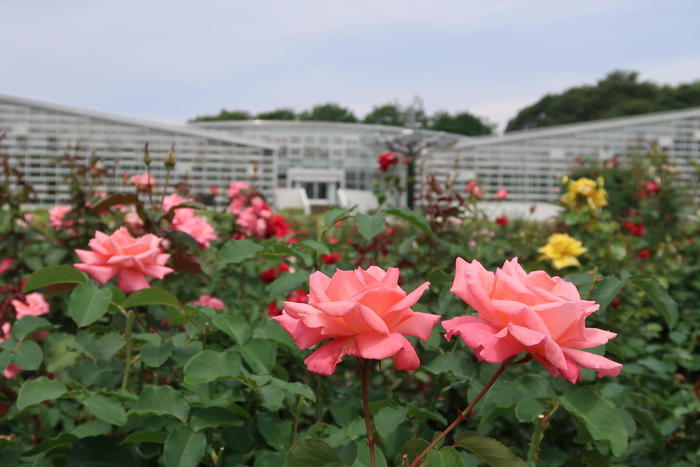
x=530 y=163
x=36 y=133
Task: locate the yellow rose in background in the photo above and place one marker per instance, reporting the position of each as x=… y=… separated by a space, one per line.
x=585 y=189
x=562 y=250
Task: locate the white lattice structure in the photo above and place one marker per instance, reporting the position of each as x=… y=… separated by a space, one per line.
x=36 y=133
x=314 y=146
x=530 y=163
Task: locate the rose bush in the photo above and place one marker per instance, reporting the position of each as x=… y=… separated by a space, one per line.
x=161 y=348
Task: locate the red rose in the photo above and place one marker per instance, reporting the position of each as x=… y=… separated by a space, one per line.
x=331 y=258
x=502 y=221
x=644 y=253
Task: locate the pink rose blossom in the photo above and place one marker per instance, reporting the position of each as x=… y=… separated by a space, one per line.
x=363 y=312
x=143 y=182
x=197 y=227
x=5 y=264
x=173 y=200
x=235 y=188
x=33 y=305
x=130 y=259
x=473 y=189
x=211 y=302
x=56 y=215
x=533 y=312
x=502 y=194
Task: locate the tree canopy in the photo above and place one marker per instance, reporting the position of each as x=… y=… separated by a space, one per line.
x=462 y=123
x=617 y=95
x=277 y=114
x=329 y=112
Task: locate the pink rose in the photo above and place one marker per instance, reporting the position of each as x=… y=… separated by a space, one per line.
x=187 y=221
x=143 y=182
x=5 y=264
x=502 y=194
x=211 y=302
x=56 y=215
x=533 y=312
x=130 y=259
x=235 y=188
x=33 y=305
x=173 y=200
x=364 y=313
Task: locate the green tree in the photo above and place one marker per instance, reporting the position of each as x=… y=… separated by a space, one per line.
x=462 y=123
x=224 y=115
x=277 y=114
x=387 y=114
x=329 y=112
x=619 y=94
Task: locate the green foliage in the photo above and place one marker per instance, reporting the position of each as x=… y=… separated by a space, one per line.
x=149 y=378
x=328 y=113
x=462 y=123
x=617 y=95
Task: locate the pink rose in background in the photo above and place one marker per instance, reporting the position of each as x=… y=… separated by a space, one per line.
x=27 y=218
x=533 y=312
x=33 y=305
x=143 y=182
x=132 y=219
x=502 y=194
x=56 y=215
x=211 y=302
x=363 y=312
x=253 y=219
x=473 y=189
x=130 y=259
x=235 y=188
x=197 y=227
x=5 y=264
x=173 y=200
x=11 y=371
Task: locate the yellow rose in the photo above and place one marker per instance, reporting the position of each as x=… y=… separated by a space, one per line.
x=585 y=189
x=562 y=250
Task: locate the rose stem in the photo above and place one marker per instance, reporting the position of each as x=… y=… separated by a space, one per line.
x=464 y=413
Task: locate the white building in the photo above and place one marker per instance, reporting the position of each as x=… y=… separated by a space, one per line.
x=530 y=163
x=36 y=133
x=320 y=157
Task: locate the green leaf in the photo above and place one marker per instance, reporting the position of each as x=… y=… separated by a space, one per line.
x=28 y=355
x=412 y=218
x=259 y=355
x=494 y=453
x=235 y=326
x=438 y=278
x=175 y=316
x=29 y=325
x=600 y=417
x=663 y=302
x=272 y=397
x=606 y=290
x=445 y=457
x=161 y=400
x=276 y=432
x=87 y=430
x=152 y=296
x=410 y=451
x=54 y=275
x=145 y=437
x=311 y=453
x=209 y=365
x=39 y=390
x=237 y=251
x=333 y=215
x=527 y=410
x=184 y=448
x=105 y=408
x=88 y=304
x=284 y=284
x=388 y=419
x=316 y=246
x=298 y=389
x=98 y=348
x=155 y=355
x=369 y=226
x=213 y=417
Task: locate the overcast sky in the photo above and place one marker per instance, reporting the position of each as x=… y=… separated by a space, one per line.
x=172 y=60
